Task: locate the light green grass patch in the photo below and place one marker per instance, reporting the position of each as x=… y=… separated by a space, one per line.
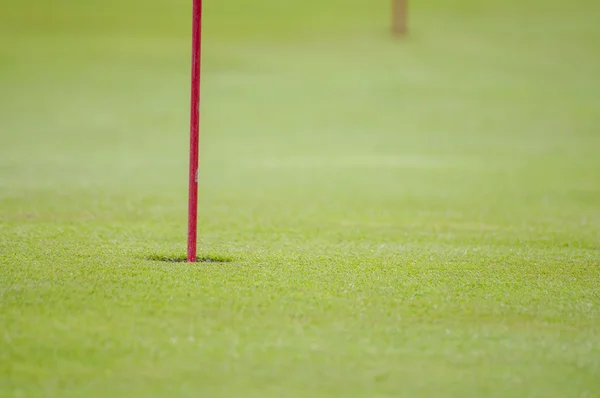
x=410 y=218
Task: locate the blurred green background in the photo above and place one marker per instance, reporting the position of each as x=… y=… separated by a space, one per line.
x=404 y=217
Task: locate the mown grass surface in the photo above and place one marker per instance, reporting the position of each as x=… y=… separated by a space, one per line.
x=416 y=218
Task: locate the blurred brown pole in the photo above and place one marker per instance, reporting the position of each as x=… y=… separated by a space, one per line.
x=399 y=17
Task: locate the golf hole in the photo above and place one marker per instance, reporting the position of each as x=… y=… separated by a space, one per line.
x=183 y=259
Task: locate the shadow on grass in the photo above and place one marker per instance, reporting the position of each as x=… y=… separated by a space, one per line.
x=183 y=259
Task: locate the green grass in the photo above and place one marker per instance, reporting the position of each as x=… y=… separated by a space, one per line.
x=414 y=218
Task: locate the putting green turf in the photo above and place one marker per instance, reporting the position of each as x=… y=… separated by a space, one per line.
x=410 y=218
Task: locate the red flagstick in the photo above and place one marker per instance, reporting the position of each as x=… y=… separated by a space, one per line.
x=194 y=131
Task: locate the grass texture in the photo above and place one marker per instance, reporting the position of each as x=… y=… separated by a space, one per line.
x=407 y=218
